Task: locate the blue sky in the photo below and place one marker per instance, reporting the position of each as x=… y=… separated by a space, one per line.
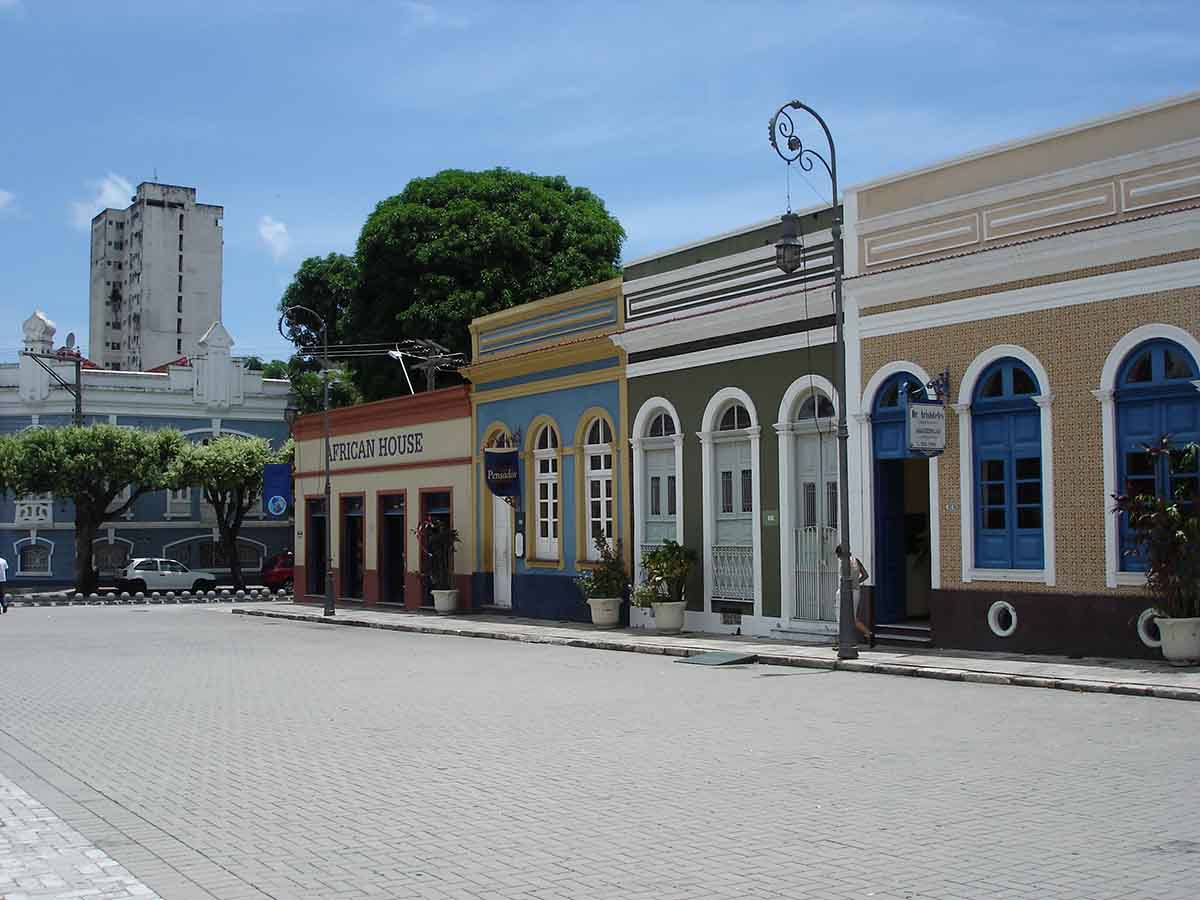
x=299 y=115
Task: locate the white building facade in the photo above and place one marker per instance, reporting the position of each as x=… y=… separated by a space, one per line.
x=155 y=278
x=212 y=396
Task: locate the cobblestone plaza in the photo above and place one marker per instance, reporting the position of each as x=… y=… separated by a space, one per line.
x=198 y=754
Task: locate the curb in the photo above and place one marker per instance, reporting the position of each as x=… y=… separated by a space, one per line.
x=154 y=598
x=1128 y=689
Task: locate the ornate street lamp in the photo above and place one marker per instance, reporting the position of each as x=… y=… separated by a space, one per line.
x=789 y=256
x=329 y=520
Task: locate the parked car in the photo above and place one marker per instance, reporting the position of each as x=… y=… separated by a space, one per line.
x=146 y=575
x=277 y=572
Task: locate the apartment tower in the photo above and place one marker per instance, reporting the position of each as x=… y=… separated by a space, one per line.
x=155 y=278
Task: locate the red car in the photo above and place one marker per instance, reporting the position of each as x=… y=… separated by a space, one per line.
x=277 y=572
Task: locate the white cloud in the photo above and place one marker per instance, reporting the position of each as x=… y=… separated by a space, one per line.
x=275 y=236
x=111 y=191
x=429 y=16
x=6 y=197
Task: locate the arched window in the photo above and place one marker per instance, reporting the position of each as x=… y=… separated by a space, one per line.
x=1007 y=459
x=657 y=463
x=660 y=481
x=545 y=460
x=662 y=426
x=34 y=556
x=1156 y=402
x=733 y=578
x=815 y=406
x=598 y=483
x=734 y=418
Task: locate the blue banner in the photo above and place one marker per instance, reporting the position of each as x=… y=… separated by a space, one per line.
x=502 y=471
x=277 y=489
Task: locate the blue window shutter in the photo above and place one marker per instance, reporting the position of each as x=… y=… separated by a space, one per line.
x=1165 y=404
x=1007 y=440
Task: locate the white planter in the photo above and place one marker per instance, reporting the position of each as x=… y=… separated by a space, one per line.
x=445 y=601
x=1180 y=640
x=606 y=611
x=668 y=616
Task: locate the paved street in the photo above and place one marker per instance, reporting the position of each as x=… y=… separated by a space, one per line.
x=233 y=757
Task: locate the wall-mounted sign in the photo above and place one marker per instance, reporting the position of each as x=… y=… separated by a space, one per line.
x=502 y=471
x=926 y=428
x=277 y=489
x=383 y=446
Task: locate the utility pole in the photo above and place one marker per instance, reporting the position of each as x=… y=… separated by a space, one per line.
x=74 y=389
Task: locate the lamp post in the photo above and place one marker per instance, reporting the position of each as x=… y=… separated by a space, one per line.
x=329 y=519
x=789 y=256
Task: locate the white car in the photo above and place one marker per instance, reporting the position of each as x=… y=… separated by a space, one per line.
x=146 y=575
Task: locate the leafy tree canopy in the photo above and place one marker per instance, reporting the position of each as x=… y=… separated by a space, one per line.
x=328 y=286
x=276 y=368
x=92 y=465
x=229 y=472
x=450 y=248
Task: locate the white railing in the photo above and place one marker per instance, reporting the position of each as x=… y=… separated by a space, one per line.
x=643 y=550
x=733 y=572
x=35 y=509
x=816 y=573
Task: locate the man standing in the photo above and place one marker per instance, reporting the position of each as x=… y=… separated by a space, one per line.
x=3 y=585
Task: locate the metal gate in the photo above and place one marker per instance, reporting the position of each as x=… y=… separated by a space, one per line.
x=816 y=573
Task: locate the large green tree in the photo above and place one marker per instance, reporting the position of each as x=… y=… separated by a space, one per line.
x=229 y=472
x=463 y=244
x=92 y=465
x=328 y=285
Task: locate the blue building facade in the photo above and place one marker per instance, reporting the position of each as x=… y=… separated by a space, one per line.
x=204 y=397
x=549 y=382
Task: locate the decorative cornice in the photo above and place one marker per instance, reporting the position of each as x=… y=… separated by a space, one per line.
x=395 y=412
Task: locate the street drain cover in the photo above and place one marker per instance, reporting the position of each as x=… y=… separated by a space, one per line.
x=720 y=658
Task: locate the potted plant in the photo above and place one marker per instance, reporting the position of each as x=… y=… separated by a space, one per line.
x=437 y=541
x=605 y=584
x=667 y=568
x=1166 y=533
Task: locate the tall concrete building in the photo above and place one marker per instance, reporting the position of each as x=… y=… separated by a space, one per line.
x=155 y=278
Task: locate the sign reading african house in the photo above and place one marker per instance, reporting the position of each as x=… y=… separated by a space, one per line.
x=502 y=472
x=926 y=428
x=381 y=447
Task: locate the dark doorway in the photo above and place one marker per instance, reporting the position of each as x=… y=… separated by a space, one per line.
x=314 y=548
x=903 y=573
x=391 y=550
x=352 y=547
x=435 y=505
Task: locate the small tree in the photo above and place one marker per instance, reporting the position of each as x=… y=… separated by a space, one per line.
x=437 y=540
x=92 y=465
x=667 y=569
x=1167 y=532
x=229 y=472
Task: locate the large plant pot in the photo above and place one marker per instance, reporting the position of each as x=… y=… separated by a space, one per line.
x=445 y=602
x=668 y=616
x=1180 y=640
x=606 y=611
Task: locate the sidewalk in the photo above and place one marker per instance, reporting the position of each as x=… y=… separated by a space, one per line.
x=1138 y=678
x=43 y=858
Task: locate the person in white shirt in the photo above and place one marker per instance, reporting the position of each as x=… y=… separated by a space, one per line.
x=3 y=585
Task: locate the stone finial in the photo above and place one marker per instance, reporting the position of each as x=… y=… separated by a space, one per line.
x=39 y=332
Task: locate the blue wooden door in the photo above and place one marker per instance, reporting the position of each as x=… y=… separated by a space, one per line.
x=1006 y=434
x=1156 y=402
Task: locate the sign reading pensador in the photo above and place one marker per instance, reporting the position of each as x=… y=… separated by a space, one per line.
x=926 y=428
